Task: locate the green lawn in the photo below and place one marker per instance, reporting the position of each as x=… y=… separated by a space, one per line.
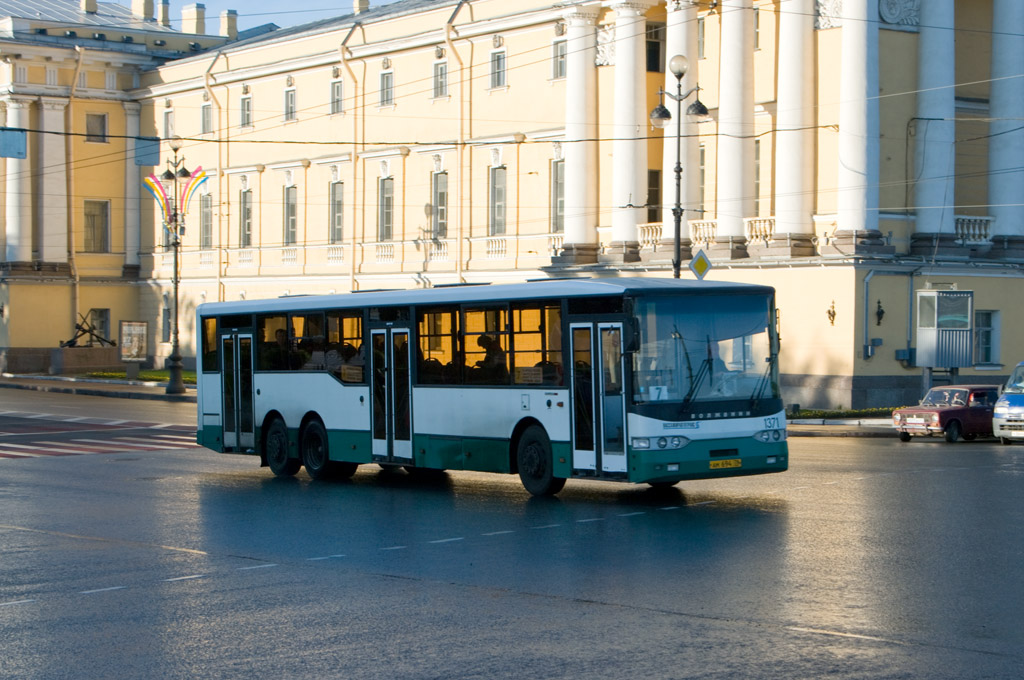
x=188 y=377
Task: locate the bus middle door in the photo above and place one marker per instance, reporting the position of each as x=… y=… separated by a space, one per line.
x=391 y=395
x=599 y=409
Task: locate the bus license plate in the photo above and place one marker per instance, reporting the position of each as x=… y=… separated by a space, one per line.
x=730 y=463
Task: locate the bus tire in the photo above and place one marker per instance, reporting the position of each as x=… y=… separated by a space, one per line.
x=275 y=449
x=315 y=452
x=536 y=468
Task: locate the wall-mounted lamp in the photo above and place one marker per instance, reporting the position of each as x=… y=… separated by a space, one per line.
x=879 y=313
x=831 y=313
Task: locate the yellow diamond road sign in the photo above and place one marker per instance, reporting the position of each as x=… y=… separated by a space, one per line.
x=700 y=265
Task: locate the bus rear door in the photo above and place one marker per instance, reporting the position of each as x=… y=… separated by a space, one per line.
x=392 y=395
x=236 y=390
x=599 y=409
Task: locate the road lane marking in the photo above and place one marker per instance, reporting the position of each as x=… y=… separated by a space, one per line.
x=693 y=505
x=102 y=590
x=631 y=514
x=835 y=633
x=448 y=540
x=101 y=539
x=191 y=577
x=11 y=604
x=592 y=519
x=395 y=547
x=670 y=507
x=498 y=533
x=256 y=566
x=325 y=557
x=547 y=526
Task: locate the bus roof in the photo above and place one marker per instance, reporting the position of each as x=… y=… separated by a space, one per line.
x=553 y=289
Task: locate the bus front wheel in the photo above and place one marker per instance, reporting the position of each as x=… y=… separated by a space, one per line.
x=275 y=448
x=536 y=468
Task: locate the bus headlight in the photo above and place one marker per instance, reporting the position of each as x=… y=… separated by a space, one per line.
x=660 y=443
x=768 y=436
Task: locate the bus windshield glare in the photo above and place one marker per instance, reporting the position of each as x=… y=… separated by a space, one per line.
x=703 y=348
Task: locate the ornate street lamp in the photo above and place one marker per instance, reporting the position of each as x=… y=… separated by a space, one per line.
x=660 y=118
x=175 y=225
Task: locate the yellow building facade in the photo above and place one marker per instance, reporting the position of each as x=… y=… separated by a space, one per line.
x=853 y=154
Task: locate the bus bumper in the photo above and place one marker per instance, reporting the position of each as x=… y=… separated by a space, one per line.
x=706 y=460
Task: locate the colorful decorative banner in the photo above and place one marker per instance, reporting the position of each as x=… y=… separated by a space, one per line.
x=152 y=183
x=198 y=177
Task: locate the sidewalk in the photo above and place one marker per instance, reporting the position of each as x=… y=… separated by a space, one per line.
x=119 y=389
x=138 y=389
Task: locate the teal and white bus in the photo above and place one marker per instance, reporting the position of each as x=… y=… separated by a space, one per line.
x=635 y=380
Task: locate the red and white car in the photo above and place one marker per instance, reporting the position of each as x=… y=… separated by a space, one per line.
x=953 y=411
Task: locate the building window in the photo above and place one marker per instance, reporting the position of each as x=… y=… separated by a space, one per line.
x=97 y=226
x=245 y=218
x=205 y=221
x=386 y=208
x=100 y=321
x=757 y=177
x=700 y=190
x=700 y=38
x=440 y=79
x=245 y=112
x=96 y=127
x=111 y=77
x=656 y=48
x=496 y=221
x=291 y=211
x=387 y=88
x=498 y=70
x=337 y=97
x=757 y=27
x=986 y=336
x=559 y=50
x=206 y=116
x=168 y=124
x=289 y=104
x=165 y=323
x=439 y=191
x=654 y=195
x=557 y=197
x=337 y=217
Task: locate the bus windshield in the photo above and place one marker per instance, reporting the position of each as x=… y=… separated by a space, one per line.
x=703 y=348
x=1016 y=382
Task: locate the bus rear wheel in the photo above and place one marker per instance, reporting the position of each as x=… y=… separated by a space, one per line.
x=315 y=451
x=536 y=468
x=275 y=449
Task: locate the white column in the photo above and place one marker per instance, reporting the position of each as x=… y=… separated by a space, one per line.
x=53 y=182
x=629 y=148
x=1006 y=145
x=580 y=148
x=681 y=38
x=935 y=139
x=132 y=184
x=735 y=122
x=858 y=118
x=794 y=159
x=18 y=189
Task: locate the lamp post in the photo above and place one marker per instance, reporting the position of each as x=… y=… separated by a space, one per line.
x=176 y=228
x=660 y=118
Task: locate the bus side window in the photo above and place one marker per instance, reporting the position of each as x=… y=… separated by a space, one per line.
x=438 y=358
x=344 y=357
x=537 y=341
x=209 y=346
x=272 y=343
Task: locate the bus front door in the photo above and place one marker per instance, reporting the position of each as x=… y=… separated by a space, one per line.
x=392 y=395
x=598 y=399
x=236 y=391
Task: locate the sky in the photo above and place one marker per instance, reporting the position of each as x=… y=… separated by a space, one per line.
x=253 y=13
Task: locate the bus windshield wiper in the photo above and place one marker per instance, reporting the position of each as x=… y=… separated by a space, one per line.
x=763 y=381
x=703 y=371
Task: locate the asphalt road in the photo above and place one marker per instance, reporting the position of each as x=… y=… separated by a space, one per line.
x=868 y=559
